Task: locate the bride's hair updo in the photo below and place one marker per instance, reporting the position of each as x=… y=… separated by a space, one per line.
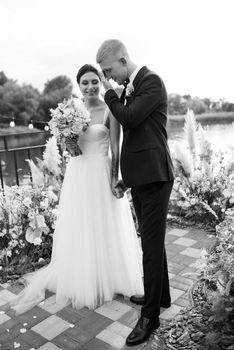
x=86 y=69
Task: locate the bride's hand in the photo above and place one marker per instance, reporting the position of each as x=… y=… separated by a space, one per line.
x=117 y=190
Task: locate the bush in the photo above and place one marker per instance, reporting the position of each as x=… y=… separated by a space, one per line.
x=204 y=180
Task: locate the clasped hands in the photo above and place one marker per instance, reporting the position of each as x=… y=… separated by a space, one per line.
x=118 y=188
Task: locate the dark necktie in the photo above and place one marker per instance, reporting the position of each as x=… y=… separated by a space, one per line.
x=125 y=84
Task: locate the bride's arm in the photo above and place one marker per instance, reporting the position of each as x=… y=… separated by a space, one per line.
x=114 y=144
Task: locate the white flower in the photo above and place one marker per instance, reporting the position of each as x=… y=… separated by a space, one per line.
x=23 y=330
x=55 y=212
x=37 y=241
x=129 y=89
x=226 y=193
x=9 y=253
x=193 y=201
x=44 y=204
x=27 y=201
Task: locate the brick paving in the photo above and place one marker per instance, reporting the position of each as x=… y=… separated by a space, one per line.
x=50 y=327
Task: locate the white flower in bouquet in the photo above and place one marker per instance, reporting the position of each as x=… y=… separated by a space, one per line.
x=27 y=201
x=69 y=120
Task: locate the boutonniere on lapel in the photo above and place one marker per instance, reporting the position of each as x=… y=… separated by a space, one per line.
x=129 y=90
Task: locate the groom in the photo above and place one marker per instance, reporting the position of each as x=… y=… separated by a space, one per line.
x=146 y=167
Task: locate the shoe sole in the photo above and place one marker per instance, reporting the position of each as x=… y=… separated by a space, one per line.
x=138 y=342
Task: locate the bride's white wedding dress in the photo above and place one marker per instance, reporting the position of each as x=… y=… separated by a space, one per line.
x=95 y=247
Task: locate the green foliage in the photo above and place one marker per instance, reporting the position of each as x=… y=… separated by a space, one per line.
x=24 y=103
x=204 y=180
x=178 y=105
x=17 y=101
x=3 y=78
x=55 y=91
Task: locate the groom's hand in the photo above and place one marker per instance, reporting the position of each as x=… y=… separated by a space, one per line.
x=106 y=84
x=117 y=190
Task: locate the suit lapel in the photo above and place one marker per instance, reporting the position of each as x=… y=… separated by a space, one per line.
x=139 y=76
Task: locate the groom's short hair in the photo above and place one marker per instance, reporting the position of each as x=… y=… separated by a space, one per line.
x=110 y=48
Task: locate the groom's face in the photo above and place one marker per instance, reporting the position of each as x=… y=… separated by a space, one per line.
x=114 y=68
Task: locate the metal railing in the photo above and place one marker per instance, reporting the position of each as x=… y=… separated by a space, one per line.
x=12 y=154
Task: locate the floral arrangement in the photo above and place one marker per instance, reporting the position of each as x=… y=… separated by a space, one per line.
x=49 y=170
x=204 y=180
x=69 y=120
x=208 y=322
x=28 y=214
x=27 y=218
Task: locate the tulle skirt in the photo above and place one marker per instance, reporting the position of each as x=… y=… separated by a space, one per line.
x=96 y=253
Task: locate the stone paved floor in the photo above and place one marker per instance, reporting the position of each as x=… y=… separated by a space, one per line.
x=48 y=327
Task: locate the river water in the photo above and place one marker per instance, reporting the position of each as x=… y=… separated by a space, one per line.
x=220 y=135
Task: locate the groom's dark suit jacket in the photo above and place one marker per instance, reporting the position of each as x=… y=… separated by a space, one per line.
x=145 y=156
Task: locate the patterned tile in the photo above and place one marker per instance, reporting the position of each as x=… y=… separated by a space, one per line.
x=192 y=252
x=170 y=313
x=33 y=316
x=5 y=296
x=51 y=327
x=175 y=294
x=50 y=305
x=16 y=344
x=55 y=327
x=174 y=248
x=119 y=329
x=5 y=285
x=32 y=338
x=10 y=333
x=187 y=242
x=16 y=288
x=49 y=346
x=69 y=315
x=183 y=260
x=182 y=302
x=178 y=232
x=171 y=275
x=11 y=323
x=113 y=310
x=185 y=280
x=64 y=342
x=129 y=319
x=78 y=334
x=94 y=324
x=4 y=318
x=111 y=338
x=97 y=344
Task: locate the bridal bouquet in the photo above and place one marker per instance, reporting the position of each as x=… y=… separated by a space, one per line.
x=69 y=121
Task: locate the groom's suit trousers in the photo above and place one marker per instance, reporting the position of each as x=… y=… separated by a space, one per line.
x=151 y=204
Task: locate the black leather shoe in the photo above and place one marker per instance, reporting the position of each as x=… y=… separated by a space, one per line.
x=165 y=304
x=140 y=300
x=142 y=331
x=137 y=299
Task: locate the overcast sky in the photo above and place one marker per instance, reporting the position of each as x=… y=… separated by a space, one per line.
x=189 y=43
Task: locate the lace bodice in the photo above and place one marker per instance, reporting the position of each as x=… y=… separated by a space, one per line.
x=95 y=140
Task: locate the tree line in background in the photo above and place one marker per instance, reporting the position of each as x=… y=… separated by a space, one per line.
x=26 y=103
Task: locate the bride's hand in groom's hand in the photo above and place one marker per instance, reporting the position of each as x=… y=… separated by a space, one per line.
x=117 y=190
x=106 y=84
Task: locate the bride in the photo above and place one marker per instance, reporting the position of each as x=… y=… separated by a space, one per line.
x=95 y=252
